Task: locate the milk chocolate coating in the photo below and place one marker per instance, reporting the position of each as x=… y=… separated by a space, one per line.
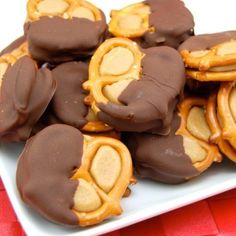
x=172 y=21
x=57 y=40
x=161 y=158
x=206 y=41
x=44 y=170
x=24 y=96
x=14 y=45
x=150 y=101
x=68 y=101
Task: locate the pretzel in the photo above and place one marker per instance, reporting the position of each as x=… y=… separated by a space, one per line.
x=101 y=76
x=10 y=58
x=153 y=23
x=62 y=8
x=215 y=126
x=195 y=131
x=226 y=104
x=131 y=21
x=219 y=58
x=100 y=169
x=211 y=76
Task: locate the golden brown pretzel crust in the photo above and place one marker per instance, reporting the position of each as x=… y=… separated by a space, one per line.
x=212 y=150
x=110 y=200
x=216 y=130
x=214 y=57
x=225 y=114
x=97 y=82
x=33 y=14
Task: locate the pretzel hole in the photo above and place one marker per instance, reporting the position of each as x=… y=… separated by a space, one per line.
x=197 y=124
x=130 y=22
x=3 y=69
x=86 y=198
x=200 y=53
x=54 y=7
x=106 y=167
x=83 y=12
x=227 y=48
x=113 y=91
x=194 y=150
x=91 y=115
x=117 y=61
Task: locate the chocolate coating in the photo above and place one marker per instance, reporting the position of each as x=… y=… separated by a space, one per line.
x=44 y=170
x=14 y=45
x=24 y=96
x=206 y=41
x=57 y=40
x=172 y=21
x=161 y=158
x=68 y=101
x=150 y=101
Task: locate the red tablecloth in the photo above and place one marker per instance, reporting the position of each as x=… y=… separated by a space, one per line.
x=213 y=216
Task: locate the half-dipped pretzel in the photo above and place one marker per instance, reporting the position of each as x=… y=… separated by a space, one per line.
x=68 y=105
x=154 y=22
x=210 y=52
x=226 y=101
x=135 y=90
x=24 y=95
x=73 y=179
x=180 y=155
x=49 y=22
x=216 y=129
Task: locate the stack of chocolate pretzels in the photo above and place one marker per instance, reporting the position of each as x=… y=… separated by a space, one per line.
x=89 y=98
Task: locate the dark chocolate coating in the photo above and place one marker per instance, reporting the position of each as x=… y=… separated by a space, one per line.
x=172 y=21
x=14 y=45
x=57 y=40
x=150 y=101
x=45 y=167
x=24 y=96
x=161 y=158
x=68 y=101
x=206 y=41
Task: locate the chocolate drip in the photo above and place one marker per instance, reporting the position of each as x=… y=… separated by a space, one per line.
x=24 y=96
x=44 y=170
x=68 y=101
x=206 y=41
x=149 y=102
x=57 y=40
x=173 y=23
x=165 y=160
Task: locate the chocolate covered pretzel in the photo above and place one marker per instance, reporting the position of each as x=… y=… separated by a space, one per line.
x=133 y=89
x=68 y=103
x=181 y=155
x=153 y=23
x=62 y=30
x=210 y=57
x=73 y=179
x=25 y=92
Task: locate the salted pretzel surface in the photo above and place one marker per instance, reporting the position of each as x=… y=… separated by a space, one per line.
x=131 y=21
x=215 y=126
x=220 y=58
x=195 y=131
x=66 y=9
x=115 y=64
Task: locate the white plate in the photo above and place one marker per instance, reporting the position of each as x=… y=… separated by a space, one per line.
x=148 y=199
